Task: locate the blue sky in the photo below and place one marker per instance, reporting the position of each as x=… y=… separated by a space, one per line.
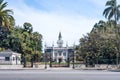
x=73 y=18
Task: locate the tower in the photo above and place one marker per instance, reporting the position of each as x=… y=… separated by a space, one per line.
x=60 y=41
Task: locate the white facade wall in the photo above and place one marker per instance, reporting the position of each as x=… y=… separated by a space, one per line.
x=15 y=59
x=3 y=61
x=12 y=58
x=56 y=55
x=19 y=60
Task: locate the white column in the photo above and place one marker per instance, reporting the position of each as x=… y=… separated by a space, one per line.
x=66 y=54
x=57 y=56
x=53 y=54
x=66 y=51
x=62 y=54
x=53 y=51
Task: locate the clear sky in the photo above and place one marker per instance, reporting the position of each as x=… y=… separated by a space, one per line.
x=73 y=18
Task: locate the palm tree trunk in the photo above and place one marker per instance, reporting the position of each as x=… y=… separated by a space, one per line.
x=117 y=37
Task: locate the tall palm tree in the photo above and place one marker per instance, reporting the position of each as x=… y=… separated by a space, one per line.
x=37 y=38
x=6 y=18
x=113 y=12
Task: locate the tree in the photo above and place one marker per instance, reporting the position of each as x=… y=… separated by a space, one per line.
x=6 y=23
x=99 y=27
x=19 y=39
x=112 y=11
x=26 y=40
x=37 y=40
x=6 y=18
x=28 y=27
x=99 y=46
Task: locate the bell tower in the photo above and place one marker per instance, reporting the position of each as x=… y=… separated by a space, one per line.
x=60 y=41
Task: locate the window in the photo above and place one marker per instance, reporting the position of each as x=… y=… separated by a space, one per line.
x=13 y=58
x=55 y=54
x=60 y=54
x=7 y=58
x=64 y=54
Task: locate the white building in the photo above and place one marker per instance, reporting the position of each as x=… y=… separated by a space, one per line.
x=9 y=57
x=59 y=53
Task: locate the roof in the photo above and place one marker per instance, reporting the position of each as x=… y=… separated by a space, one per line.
x=9 y=52
x=59 y=48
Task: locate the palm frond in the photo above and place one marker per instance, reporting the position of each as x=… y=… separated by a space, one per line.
x=107 y=11
x=110 y=3
x=7 y=11
x=3 y=6
x=118 y=14
x=111 y=14
x=118 y=6
x=6 y=18
x=1 y=1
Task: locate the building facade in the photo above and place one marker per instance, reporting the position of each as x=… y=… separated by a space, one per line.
x=9 y=57
x=59 y=53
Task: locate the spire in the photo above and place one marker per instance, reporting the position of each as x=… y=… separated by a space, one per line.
x=53 y=44
x=66 y=44
x=45 y=45
x=60 y=41
x=60 y=36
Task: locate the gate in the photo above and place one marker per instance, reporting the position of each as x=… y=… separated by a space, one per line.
x=53 y=63
x=62 y=58
x=59 y=63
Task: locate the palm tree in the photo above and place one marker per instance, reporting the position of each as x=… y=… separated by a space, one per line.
x=37 y=38
x=6 y=18
x=113 y=12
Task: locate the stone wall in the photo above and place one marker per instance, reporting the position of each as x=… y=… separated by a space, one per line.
x=39 y=66
x=100 y=66
x=11 y=66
